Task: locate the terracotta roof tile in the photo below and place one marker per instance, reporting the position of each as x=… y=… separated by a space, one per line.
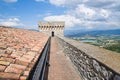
x=21 y=62
x=26 y=73
x=23 y=77
x=21 y=67
x=2 y=51
x=7 y=59
x=9 y=76
x=4 y=63
x=3 y=55
x=16 y=54
x=2 y=68
x=19 y=51
x=13 y=70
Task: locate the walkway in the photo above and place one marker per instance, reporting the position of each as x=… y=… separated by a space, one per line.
x=61 y=67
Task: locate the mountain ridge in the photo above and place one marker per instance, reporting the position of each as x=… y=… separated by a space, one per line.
x=94 y=33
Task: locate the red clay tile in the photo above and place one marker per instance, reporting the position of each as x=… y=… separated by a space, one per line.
x=35 y=59
x=23 y=78
x=3 y=46
x=17 y=47
x=2 y=51
x=9 y=76
x=28 y=56
x=2 y=68
x=31 y=53
x=10 y=49
x=7 y=59
x=36 y=48
x=9 y=56
x=3 y=55
x=25 y=59
x=17 y=54
x=28 y=69
x=4 y=63
x=8 y=52
x=13 y=70
x=31 y=65
x=18 y=66
x=26 y=73
x=21 y=62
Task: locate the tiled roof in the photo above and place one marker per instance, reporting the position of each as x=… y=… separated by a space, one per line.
x=19 y=51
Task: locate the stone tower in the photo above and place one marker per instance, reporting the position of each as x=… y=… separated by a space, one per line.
x=56 y=27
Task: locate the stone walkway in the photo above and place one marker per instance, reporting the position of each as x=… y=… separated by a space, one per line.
x=61 y=68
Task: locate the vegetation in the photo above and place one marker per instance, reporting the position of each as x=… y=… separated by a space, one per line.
x=114 y=47
x=110 y=42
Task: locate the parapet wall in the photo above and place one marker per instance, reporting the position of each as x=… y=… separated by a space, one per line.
x=89 y=67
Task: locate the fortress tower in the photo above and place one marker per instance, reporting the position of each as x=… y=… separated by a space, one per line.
x=52 y=28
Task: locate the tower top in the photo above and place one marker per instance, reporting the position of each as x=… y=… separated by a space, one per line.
x=52 y=23
x=52 y=26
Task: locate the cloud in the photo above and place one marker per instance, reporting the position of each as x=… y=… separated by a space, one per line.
x=104 y=13
x=13 y=22
x=70 y=21
x=82 y=10
x=39 y=0
x=91 y=3
x=88 y=14
x=67 y=3
x=77 y=24
x=58 y=2
x=10 y=1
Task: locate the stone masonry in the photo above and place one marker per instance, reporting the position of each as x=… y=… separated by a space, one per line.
x=89 y=67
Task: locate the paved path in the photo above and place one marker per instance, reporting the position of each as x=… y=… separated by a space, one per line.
x=61 y=67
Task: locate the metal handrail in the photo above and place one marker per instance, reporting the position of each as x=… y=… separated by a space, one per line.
x=39 y=70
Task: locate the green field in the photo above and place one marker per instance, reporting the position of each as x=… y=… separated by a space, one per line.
x=110 y=42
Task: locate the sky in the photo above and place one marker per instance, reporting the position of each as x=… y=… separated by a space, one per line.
x=77 y=14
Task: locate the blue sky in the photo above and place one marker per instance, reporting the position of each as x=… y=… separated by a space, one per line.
x=77 y=14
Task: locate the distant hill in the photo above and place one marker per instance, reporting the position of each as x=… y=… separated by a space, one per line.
x=94 y=33
x=33 y=30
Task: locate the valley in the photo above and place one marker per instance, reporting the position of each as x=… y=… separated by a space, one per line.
x=110 y=42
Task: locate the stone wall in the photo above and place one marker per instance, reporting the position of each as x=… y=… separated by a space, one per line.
x=89 y=68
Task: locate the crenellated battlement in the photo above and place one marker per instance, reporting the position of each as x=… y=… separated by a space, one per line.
x=57 y=27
